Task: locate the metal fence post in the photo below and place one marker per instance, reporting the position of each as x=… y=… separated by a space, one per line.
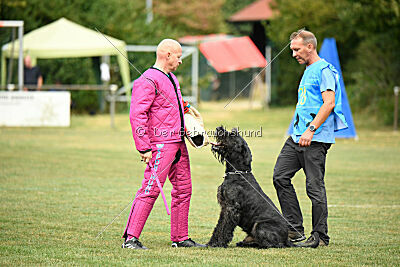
x=113 y=89
x=21 y=58
x=267 y=100
x=195 y=76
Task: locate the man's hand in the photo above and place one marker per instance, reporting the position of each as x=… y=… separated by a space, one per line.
x=146 y=157
x=306 y=137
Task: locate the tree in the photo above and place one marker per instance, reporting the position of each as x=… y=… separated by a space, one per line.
x=367 y=34
x=123 y=19
x=201 y=17
x=376 y=67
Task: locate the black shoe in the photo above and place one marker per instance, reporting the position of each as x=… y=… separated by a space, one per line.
x=133 y=243
x=296 y=236
x=312 y=241
x=188 y=243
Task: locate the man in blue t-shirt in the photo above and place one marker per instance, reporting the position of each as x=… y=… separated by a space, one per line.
x=318 y=115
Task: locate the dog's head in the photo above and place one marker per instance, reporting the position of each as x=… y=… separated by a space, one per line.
x=232 y=149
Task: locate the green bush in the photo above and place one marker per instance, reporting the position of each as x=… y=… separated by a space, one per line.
x=376 y=72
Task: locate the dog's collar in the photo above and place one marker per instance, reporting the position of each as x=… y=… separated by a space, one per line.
x=236 y=172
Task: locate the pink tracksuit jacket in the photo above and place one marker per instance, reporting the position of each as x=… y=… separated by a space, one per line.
x=156 y=116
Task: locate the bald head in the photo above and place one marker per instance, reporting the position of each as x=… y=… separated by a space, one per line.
x=167 y=45
x=169 y=53
x=28 y=62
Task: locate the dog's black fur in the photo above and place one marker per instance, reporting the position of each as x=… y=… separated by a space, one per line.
x=243 y=203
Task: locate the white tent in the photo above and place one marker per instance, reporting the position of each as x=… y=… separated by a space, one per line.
x=66 y=39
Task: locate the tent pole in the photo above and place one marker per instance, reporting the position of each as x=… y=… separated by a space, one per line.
x=11 y=60
x=3 y=69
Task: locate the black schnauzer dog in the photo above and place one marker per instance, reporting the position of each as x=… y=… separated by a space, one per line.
x=243 y=203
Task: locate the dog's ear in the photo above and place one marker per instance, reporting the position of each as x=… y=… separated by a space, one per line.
x=235 y=132
x=246 y=152
x=247 y=155
x=220 y=131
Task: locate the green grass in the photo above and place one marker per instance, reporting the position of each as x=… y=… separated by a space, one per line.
x=59 y=187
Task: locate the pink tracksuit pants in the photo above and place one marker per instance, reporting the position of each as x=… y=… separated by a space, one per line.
x=170 y=159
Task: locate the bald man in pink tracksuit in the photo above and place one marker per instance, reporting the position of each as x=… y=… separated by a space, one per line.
x=156 y=117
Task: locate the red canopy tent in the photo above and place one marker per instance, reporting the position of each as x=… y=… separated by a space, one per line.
x=230 y=55
x=233 y=54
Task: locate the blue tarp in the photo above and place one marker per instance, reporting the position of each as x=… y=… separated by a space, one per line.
x=329 y=53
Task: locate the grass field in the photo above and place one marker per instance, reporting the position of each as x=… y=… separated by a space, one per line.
x=59 y=187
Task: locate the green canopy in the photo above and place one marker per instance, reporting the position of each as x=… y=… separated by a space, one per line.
x=65 y=39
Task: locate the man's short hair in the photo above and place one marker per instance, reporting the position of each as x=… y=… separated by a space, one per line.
x=307 y=36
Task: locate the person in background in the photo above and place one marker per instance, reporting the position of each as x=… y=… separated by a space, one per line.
x=32 y=75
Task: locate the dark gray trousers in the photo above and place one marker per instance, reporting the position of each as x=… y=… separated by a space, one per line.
x=312 y=160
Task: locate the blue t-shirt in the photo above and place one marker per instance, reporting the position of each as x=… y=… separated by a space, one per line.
x=328 y=80
x=326 y=135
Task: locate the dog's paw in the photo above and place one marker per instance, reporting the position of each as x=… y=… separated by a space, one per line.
x=247 y=245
